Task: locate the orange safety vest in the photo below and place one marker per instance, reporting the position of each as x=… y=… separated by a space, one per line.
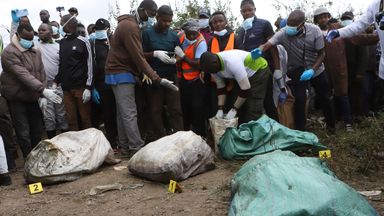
x=185 y=69
x=215 y=48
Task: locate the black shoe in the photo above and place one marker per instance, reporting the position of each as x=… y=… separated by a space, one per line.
x=5 y=180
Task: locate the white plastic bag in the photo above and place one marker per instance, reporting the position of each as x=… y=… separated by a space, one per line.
x=218 y=127
x=66 y=157
x=174 y=157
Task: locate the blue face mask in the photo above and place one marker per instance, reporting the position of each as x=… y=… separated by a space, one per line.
x=247 y=24
x=62 y=33
x=101 y=35
x=92 y=36
x=55 y=30
x=291 y=30
x=151 y=21
x=26 y=44
x=189 y=42
x=346 y=22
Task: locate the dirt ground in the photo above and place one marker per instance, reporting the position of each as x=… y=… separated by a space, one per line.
x=205 y=194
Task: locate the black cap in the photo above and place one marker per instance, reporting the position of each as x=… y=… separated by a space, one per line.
x=102 y=24
x=204 y=13
x=72 y=9
x=347 y=16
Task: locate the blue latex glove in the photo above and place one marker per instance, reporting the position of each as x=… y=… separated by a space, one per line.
x=307 y=75
x=95 y=96
x=256 y=53
x=282 y=97
x=15 y=18
x=332 y=35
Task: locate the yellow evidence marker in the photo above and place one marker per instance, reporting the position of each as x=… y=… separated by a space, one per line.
x=174 y=187
x=35 y=188
x=325 y=154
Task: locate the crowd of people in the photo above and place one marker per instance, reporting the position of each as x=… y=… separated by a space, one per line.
x=145 y=80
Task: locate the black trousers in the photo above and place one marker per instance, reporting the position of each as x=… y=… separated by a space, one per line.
x=323 y=92
x=108 y=107
x=6 y=132
x=192 y=100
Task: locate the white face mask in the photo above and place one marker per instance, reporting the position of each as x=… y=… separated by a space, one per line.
x=346 y=22
x=220 y=33
x=247 y=24
x=204 y=23
x=189 y=41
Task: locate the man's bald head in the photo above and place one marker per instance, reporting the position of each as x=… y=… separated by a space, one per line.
x=296 y=18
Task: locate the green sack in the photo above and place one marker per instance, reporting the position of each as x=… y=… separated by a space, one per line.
x=262 y=136
x=281 y=183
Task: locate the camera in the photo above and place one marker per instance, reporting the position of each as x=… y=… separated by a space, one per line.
x=379 y=20
x=59 y=9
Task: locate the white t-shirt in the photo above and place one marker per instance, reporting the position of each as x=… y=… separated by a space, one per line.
x=50 y=57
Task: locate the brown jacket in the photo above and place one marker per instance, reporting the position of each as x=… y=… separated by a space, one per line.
x=23 y=75
x=126 y=53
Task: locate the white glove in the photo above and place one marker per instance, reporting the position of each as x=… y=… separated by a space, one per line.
x=54 y=86
x=219 y=114
x=147 y=80
x=43 y=104
x=278 y=76
x=168 y=84
x=231 y=114
x=86 y=96
x=179 y=52
x=52 y=96
x=173 y=61
x=163 y=56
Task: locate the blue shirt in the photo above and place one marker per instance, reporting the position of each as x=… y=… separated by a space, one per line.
x=201 y=48
x=167 y=41
x=120 y=78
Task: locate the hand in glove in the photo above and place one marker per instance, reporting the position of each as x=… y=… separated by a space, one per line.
x=43 y=104
x=332 y=35
x=163 y=56
x=95 y=96
x=15 y=18
x=256 y=53
x=86 y=96
x=307 y=75
x=54 y=86
x=147 y=80
x=168 y=84
x=231 y=114
x=219 y=114
x=52 y=96
x=179 y=52
x=283 y=96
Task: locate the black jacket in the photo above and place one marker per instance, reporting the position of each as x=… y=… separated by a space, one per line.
x=76 y=67
x=100 y=50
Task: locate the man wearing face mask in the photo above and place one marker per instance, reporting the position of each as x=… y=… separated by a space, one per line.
x=336 y=66
x=252 y=33
x=55 y=31
x=124 y=63
x=102 y=93
x=304 y=44
x=192 y=87
x=223 y=39
x=23 y=84
x=54 y=114
x=204 y=16
x=75 y=74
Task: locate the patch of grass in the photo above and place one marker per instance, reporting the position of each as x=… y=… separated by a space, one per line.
x=355 y=152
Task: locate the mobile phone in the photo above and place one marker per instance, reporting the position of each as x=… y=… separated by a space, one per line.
x=171 y=54
x=59 y=9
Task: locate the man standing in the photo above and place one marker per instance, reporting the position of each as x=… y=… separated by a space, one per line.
x=125 y=62
x=304 y=44
x=336 y=66
x=54 y=114
x=75 y=74
x=22 y=83
x=102 y=93
x=158 y=42
x=192 y=87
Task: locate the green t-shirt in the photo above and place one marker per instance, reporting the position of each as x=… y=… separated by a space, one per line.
x=167 y=41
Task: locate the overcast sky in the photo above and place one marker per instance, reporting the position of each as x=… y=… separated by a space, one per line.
x=91 y=10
